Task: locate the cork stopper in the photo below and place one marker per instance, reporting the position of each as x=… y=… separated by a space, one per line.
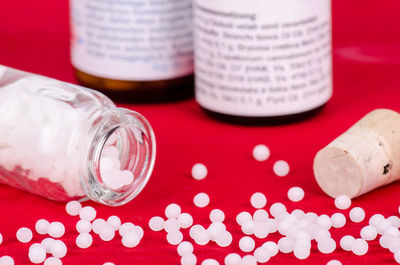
x=363 y=158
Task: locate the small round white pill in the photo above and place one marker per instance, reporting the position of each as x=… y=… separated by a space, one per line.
x=172 y=211
x=359 y=247
x=258 y=200
x=41 y=226
x=37 y=254
x=52 y=261
x=260 y=230
x=248 y=227
x=277 y=210
x=125 y=227
x=243 y=218
x=375 y=219
x=261 y=152
x=1 y=238
x=24 y=235
x=342 y=202
x=223 y=238
x=286 y=245
x=295 y=194
x=114 y=222
x=262 y=255
x=249 y=260
x=185 y=247
x=174 y=237
x=87 y=213
x=210 y=262
x=171 y=225
x=130 y=239
x=324 y=221
x=246 y=244
x=188 y=259
x=347 y=242
x=6 y=260
x=83 y=226
x=272 y=247
x=260 y=215
x=73 y=208
x=326 y=245
x=107 y=233
x=233 y=259
x=56 y=229
x=58 y=249
x=47 y=243
x=109 y=263
x=201 y=200
x=199 y=171
x=338 y=220
x=301 y=251
x=368 y=233
x=357 y=214
x=217 y=215
x=334 y=262
x=185 y=220
x=84 y=240
x=156 y=223
x=97 y=225
x=281 y=168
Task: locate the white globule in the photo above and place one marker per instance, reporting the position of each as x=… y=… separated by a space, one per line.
x=87 y=213
x=342 y=202
x=295 y=194
x=334 y=262
x=73 y=208
x=324 y=221
x=217 y=215
x=56 y=229
x=130 y=239
x=6 y=260
x=188 y=259
x=338 y=220
x=184 y=248
x=210 y=262
x=281 y=168
x=347 y=242
x=37 y=253
x=375 y=219
x=223 y=238
x=83 y=226
x=41 y=226
x=249 y=260
x=124 y=228
x=185 y=220
x=246 y=244
x=199 y=171
x=174 y=237
x=156 y=223
x=24 y=235
x=243 y=218
x=58 y=249
x=84 y=240
x=357 y=214
x=47 y=243
x=107 y=233
x=286 y=245
x=97 y=225
x=262 y=255
x=172 y=211
x=327 y=245
x=368 y=233
x=277 y=210
x=272 y=247
x=261 y=152
x=172 y=225
x=359 y=247
x=258 y=200
x=201 y=200
x=1 y=238
x=114 y=222
x=260 y=215
x=233 y=259
x=52 y=261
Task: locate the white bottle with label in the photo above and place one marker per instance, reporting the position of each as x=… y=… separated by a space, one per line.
x=262 y=59
x=132 y=45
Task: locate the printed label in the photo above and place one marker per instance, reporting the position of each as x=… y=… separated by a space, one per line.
x=262 y=58
x=139 y=40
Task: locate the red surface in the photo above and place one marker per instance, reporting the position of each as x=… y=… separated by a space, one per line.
x=34 y=37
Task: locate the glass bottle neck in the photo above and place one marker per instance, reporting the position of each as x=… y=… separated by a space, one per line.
x=120 y=157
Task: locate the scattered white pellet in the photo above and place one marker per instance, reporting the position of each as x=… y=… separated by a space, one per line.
x=24 y=235
x=260 y=230
x=109 y=263
x=58 y=249
x=324 y=221
x=215 y=228
x=272 y=247
x=87 y=213
x=172 y=211
x=357 y=214
x=248 y=227
x=130 y=239
x=52 y=261
x=84 y=240
x=334 y=262
x=188 y=259
x=246 y=244
x=262 y=255
x=243 y=218
x=185 y=247
x=174 y=237
x=223 y=238
x=41 y=226
x=37 y=253
x=281 y=168
x=139 y=230
x=156 y=223
x=201 y=200
x=327 y=245
x=272 y=225
x=368 y=233
x=395 y=220
x=249 y=260
x=347 y=242
x=171 y=225
x=6 y=260
x=107 y=233
x=338 y=220
x=217 y=215
x=321 y=234
x=258 y=200
x=295 y=194
x=383 y=225
x=277 y=210
x=125 y=227
x=210 y=262
x=260 y=215
x=114 y=222
x=47 y=243
x=83 y=226
x=1 y=238
x=375 y=219
x=201 y=237
x=342 y=202
x=298 y=213
x=56 y=229
x=261 y=152
x=233 y=259
x=185 y=220
x=286 y=245
x=73 y=208
x=199 y=171
x=302 y=250
x=359 y=247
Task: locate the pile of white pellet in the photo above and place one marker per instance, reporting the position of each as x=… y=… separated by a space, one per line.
x=297 y=229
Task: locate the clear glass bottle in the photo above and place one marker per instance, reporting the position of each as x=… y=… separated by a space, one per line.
x=132 y=49
x=65 y=142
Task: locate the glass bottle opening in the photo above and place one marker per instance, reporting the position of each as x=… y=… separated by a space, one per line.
x=120 y=158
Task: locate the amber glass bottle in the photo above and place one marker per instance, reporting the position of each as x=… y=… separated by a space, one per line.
x=262 y=61
x=133 y=49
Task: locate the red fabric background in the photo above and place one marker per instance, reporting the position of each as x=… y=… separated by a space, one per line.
x=34 y=37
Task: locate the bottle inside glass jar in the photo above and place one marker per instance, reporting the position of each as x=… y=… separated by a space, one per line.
x=55 y=136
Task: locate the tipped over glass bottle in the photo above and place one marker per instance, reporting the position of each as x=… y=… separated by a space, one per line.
x=64 y=142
